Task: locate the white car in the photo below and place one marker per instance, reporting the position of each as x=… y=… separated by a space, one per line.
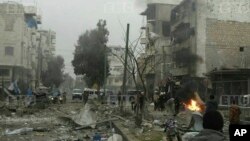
x=77 y=93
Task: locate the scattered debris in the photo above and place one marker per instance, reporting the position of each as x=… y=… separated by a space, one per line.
x=18 y=131
x=95 y=123
x=157 y=122
x=115 y=137
x=86 y=117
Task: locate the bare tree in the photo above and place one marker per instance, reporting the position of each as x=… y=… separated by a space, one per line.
x=136 y=68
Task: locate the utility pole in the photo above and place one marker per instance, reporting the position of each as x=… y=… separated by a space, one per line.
x=164 y=62
x=2 y=73
x=125 y=68
x=39 y=53
x=105 y=71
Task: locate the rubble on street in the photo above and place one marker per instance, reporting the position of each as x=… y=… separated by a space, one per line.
x=76 y=121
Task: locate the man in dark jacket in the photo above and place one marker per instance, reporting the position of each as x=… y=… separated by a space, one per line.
x=212 y=128
x=211 y=105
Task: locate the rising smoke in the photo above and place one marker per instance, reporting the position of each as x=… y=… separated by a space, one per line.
x=187 y=91
x=186 y=57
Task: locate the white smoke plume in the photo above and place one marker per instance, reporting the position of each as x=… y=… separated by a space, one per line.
x=141 y=3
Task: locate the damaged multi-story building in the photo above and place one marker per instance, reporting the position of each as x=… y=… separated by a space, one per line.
x=211 y=42
x=206 y=41
x=157 y=42
x=22 y=45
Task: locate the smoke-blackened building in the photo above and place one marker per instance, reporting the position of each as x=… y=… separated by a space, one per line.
x=157 y=42
x=210 y=40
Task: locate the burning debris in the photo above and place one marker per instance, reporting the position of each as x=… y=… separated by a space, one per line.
x=190 y=97
x=193 y=106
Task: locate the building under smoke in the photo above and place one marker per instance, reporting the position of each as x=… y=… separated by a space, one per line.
x=206 y=41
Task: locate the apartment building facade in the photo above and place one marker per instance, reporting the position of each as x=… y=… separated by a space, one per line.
x=116 y=56
x=157 y=42
x=19 y=44
x=211 y=43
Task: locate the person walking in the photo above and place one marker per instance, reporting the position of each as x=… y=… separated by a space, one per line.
x=234 y=113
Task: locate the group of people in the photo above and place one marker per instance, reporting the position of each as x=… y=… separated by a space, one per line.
x=137 y=102
x=159 y=100
x=234 y=110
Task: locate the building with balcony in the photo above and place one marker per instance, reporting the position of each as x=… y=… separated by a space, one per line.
x=17 y=43
x=210 y=40
x=157 y=42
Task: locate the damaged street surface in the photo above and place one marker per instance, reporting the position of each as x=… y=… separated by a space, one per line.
x=124 y=70
x=71 y=121
x=74 y=121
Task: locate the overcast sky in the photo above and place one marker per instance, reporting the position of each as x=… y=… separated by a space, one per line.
x=70 y=18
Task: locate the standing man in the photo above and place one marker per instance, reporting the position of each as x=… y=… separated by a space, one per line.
x=177 y=105
x=141 y=101
x=156 y=100
x=85 y=97
x=133 y=100
x=119 y=98
x=29 y=97
x=211 y=105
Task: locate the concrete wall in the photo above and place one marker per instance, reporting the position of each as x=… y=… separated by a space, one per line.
x=200 y=36
x=232 y=10
x=227 y=11
x=12 y=38
x=24 y=60
x=224 y=39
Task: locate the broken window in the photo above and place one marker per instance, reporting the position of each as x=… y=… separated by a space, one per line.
x=4 y=72
x=9 y=51
x=151 y=11
x=241 y=49
x=193 y=6
x=182 y=32
x=9 y=23
x=166 y=29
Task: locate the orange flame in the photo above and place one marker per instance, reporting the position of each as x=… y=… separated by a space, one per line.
x=193 y=106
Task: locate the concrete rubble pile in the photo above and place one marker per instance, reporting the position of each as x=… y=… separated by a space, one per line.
x=85 y=117
x=79 y=122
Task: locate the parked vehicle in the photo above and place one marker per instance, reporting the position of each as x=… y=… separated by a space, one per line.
x=41 y=94
x=92 y=93
x=77 y=93
x=55 y=96
x=63 y=98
